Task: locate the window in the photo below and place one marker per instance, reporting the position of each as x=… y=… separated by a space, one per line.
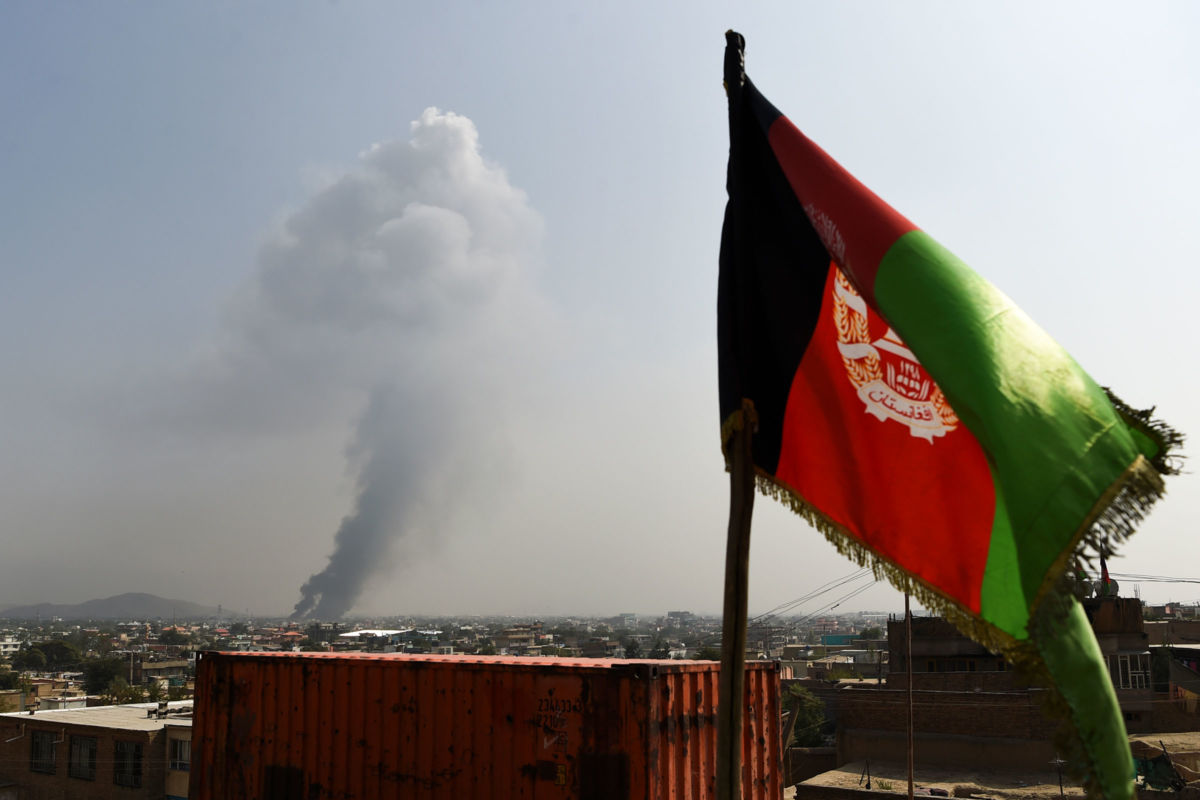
x=41 y=757
x=127 y=764
x=1129 y=671
x=1141 y=671
x=83 y=758
x=180 y=755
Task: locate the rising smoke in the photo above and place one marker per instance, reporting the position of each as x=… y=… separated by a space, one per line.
x=405 y=283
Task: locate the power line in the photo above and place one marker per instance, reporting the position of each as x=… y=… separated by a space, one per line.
x=1130 y=576
x=815 y=593
x=823 y=588
x=836 y=603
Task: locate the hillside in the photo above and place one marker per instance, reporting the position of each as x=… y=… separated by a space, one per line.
x=132 y=605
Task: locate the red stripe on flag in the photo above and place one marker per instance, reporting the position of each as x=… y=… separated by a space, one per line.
x=856 y=226
x=914 y=485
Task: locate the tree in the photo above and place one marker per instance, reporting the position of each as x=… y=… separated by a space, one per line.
x=98 y=673
x=80 y=639
x=31 y=658
x=9 y=679
x=59 y=654
x=238 y=629
x=633 y=648
x=874 y=632
x=810 y=716
x=707 y=653
x=660 y=649
x=173 y=637
x=119 y=692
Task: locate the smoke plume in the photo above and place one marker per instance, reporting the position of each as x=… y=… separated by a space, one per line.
x=402 y=289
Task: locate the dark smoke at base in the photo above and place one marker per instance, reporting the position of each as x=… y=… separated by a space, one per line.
x=403 y=441
x=332 y=592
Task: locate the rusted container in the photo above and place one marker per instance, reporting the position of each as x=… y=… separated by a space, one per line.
x=361 y=726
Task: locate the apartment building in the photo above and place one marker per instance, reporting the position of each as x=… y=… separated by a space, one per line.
x=133 y=752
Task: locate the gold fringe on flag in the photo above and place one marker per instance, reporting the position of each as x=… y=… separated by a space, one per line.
x=1113 y=518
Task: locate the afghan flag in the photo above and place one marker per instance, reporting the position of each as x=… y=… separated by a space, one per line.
x=913 y=414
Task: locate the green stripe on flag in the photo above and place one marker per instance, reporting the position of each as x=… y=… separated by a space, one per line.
x=1053 y=438
x=1073 y=658
x=1001 y=601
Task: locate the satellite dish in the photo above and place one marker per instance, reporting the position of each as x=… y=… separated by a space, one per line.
x=1111 y=590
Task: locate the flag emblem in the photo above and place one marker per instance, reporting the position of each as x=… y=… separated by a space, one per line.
x=888 y=378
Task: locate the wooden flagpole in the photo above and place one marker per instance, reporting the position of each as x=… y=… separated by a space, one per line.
x=908 y=667
x=733 y=635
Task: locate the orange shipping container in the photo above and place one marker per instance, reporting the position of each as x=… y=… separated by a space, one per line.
x=358 y=726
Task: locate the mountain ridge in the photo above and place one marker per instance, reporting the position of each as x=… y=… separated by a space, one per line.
x=130 y=605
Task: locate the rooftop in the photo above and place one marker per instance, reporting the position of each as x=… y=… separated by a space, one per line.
x=886 y=777
x=132 y=717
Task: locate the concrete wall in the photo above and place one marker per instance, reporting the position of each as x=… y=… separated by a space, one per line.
x=803 y=763
x=1174 y=631
x=983 y=714
x=952 y=729
x=176 y=781
x=945 y=750
x=806 y=792
x=956 y=681
x=933 y=637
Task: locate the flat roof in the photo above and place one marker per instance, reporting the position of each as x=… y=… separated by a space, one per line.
x=1022 y=784
x=132 y=717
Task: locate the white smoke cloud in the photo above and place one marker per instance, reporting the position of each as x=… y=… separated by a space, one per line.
x=402 y=293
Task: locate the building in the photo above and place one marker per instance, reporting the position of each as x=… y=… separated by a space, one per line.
x=1172 y=631
x=166 y=673
x=938 y=647
x=1124 y=643
x=680 y=619
x=518 y=638
x=11 y=700
x=133 y=751
x=838 y=639
x=971 y=710
x=601 y=648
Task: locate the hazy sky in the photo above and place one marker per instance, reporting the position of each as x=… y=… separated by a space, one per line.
x=439 y=279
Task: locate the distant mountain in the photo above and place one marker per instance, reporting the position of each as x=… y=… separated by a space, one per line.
x=133 y=605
